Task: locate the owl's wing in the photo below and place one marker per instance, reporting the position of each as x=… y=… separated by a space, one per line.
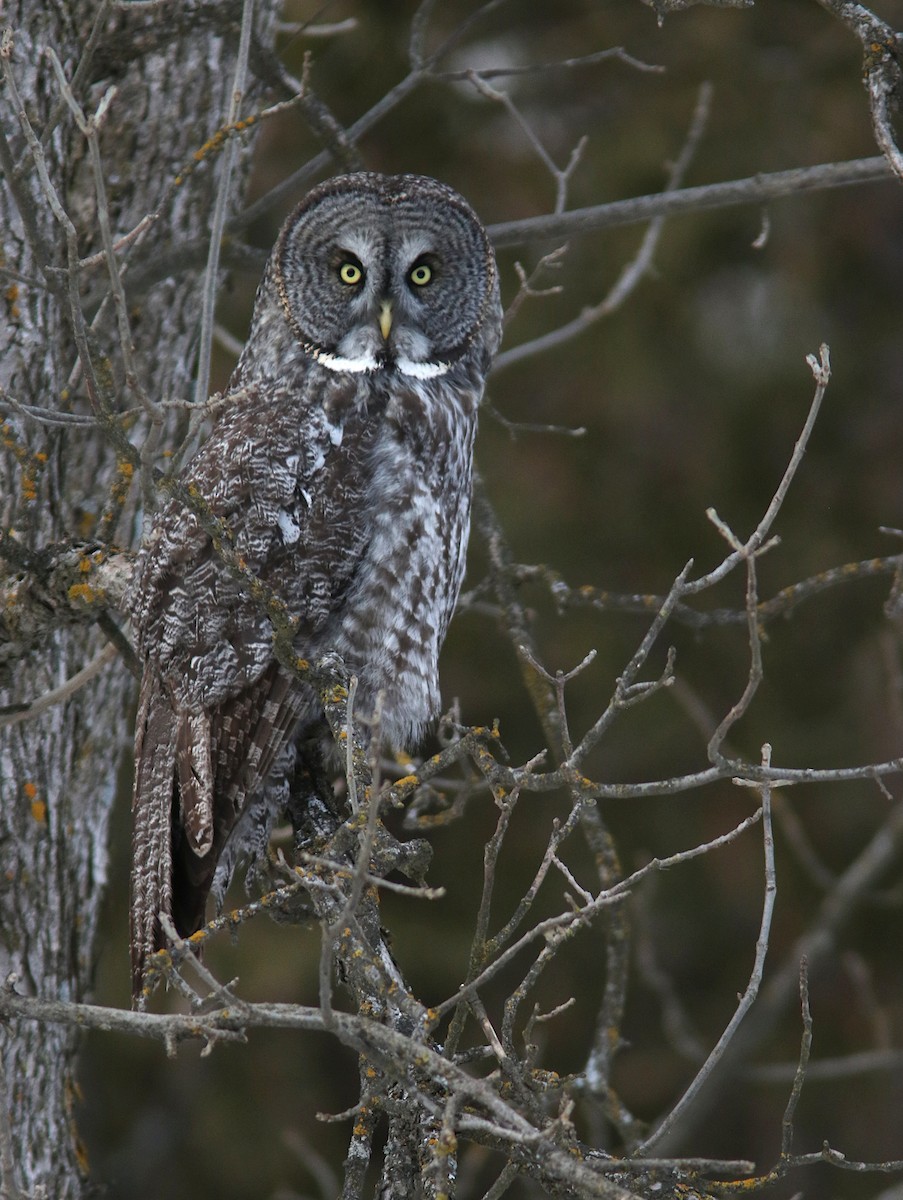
x=215 y=707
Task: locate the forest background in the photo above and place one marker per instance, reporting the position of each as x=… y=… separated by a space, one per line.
x=600 y=455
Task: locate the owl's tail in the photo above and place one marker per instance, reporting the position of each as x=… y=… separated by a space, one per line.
x=156 y=735
x=200 y=799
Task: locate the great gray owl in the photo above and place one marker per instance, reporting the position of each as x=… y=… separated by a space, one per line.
x=341 y=467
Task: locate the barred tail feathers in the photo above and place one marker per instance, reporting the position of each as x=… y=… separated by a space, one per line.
x=155 y=768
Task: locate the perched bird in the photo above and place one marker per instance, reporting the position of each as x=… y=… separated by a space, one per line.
x=340 y=474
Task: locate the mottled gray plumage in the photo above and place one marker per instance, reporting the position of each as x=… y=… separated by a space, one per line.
x=342 y=469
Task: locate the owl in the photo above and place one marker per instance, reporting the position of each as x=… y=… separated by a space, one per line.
x=339 y=471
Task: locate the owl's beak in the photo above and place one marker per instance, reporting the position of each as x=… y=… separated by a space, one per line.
x=385 y=319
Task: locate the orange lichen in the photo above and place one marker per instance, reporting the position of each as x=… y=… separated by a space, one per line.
x=11 y=295
x=85 y=594
x=29 y=463
x=86 y=522
x=37 y=805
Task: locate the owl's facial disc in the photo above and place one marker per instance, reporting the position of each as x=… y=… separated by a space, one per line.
x=386 y=274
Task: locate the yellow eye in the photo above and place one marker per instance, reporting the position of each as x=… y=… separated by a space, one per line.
x=420 y=275
x=350 y=273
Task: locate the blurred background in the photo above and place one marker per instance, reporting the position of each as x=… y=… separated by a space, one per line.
x=691 y=395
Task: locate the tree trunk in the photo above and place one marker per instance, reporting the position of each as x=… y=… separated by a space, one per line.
x=172 y=67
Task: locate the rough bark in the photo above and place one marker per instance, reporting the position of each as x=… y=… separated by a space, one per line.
x=58 y=771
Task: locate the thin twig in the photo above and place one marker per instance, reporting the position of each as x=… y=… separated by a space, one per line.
x=223 y=197
x=821 y=370
x=560 y=175
x=589 y=911
x=801 y=1067
x=65 y=690
x=627 y=689
x=639 y=266
x=846 y=1066
x=747 y=1000
x=89 y=127
x=782 y=604
x=615 y=53
x=45 y=416
x=82 y=70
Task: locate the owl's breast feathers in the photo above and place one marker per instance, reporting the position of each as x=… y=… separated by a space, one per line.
x=349 y=496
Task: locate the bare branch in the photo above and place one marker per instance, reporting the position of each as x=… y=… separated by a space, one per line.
x=802 y=1066
x=560 y=175
x=636 y=270
x=882 y=72
x=756 y=189
x=615 y=53
x=663 y=7
x=660 y=1132
x=223 y=196
x=847 y=1066
x=62 y=693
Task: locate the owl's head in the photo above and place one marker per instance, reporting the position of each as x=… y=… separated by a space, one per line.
x=387 y=271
